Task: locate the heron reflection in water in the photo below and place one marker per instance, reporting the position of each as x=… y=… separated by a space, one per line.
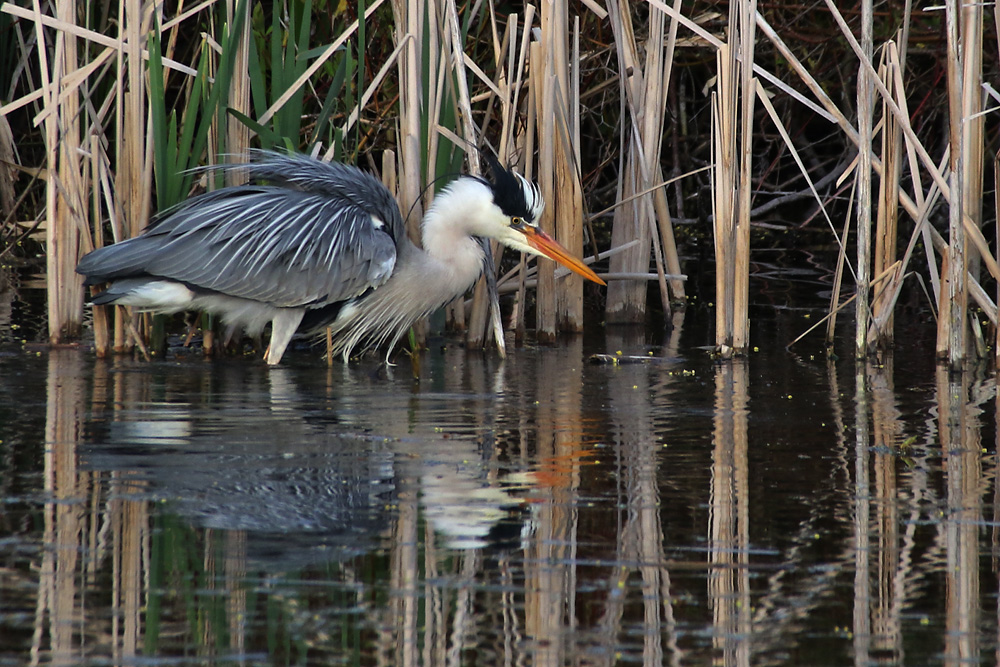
x=310 y=244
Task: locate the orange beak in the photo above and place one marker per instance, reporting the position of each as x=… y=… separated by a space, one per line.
x=549 y=247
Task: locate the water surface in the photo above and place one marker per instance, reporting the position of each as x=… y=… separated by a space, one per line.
x=782 y=510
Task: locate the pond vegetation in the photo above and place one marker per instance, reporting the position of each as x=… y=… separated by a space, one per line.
x=662 y=121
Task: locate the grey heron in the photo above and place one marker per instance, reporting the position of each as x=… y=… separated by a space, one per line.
x=309 y=244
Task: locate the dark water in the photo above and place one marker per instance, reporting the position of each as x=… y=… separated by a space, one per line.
x=541 y=511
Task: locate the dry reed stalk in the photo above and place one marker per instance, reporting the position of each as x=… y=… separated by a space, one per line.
x=501 y=89
x=545 y=297
x=996 y=223
x=835 y=305
x=944 y=323
x=973 y=139
x=671 y=257
x=748 y=90
x=476 y=331
x=916 y=152
x=209 y=343
x=8 y=169
x=568 y=190
x=65 y=185
x=952 y=330
x=409 y=18
x=887 y=219
x=237 y=132
x=130 y=182
x=508 y=111
x=409 y=22
x=724 y=202
x=642 y=105
x=99 y=177
x=973 y=120
x=973 y=232
x=526 y=144
x=436 y=39
x=653 y=103
x=132 y=144
x=865 y=101
x=436 y=89
x=922 y=229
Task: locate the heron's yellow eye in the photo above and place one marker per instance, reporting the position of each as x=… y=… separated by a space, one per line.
x=516 y=221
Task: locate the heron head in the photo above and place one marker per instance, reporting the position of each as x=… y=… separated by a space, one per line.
x=520 y=204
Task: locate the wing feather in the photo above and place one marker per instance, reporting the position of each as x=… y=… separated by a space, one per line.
x=308 y=238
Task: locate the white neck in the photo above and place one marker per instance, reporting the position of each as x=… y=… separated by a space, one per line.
x=451 y=223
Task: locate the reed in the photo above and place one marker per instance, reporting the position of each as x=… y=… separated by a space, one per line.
x=996 y=223
x=723 y=204
x=963 y=225
x=887 y=218
x=972 y=143
x=545 y=324
x=560 y=303
x=568 y=189
x=743 y=24
x=865 y=101
x=645 y=217
x=476 y=332
x=441 y=80
x=733 y=114
x=64 y=182
x=409 y=20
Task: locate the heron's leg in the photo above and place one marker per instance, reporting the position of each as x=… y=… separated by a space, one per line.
x=283 y=327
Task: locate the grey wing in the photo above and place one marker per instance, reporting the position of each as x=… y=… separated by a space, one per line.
x=282 y=246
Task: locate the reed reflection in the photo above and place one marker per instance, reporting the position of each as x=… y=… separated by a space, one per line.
x=886 y=601
x=60 y=600
x=893 y=487
x=861 y=626
x=550 y=554
x=958 y=400
x=729 y=519
x=639 y=539
x=535 y=511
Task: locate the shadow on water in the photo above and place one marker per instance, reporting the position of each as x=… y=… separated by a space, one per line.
x=538 y=511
